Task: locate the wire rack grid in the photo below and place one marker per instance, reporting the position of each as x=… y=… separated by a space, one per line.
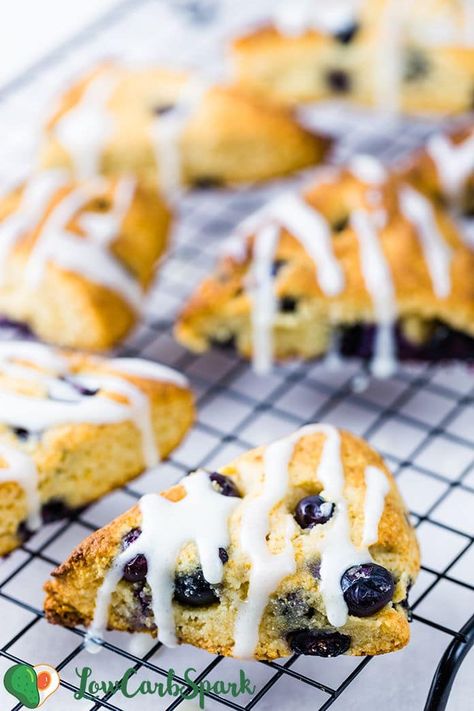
x=421 y=421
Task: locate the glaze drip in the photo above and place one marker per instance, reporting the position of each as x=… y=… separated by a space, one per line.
x=454 y=162
x=84 y=129
x=307 y=226
x=379 y=284
x=90 y=255
x=64 y=397
x=200 y=517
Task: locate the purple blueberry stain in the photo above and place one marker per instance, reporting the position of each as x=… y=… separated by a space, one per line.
x=293 y=607
x=223 y=555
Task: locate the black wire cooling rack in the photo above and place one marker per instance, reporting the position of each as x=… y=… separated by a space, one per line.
x=421 y=421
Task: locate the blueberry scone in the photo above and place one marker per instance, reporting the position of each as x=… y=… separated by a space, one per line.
x=413 y=56
x=360 y=264
x=300 y=546
x=77 y=257
x=73 y=427
x=181 y=129
x=444 y=169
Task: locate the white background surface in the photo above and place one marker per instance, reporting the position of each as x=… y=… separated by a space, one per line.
x=30 y=28
x=398 y=682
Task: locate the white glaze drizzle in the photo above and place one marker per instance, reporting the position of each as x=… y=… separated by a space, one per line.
x=87 y=256
x=267 y=569
x=338 y=552
x=438 y=255
x=376 y=489
x=379 y=284
x=454 y=162
x=368 y=169
x=167 y=130
x=21 y=468
x=262 y=294
x=299 y=16
x=37 y=413
x=307 y=226
x=36 y=196
x=311 y=229
x=83 y=130
x=200 y=517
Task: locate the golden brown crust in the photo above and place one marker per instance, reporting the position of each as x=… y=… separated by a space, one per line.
x=221 y=307
x=66 y=307
x=71 y=593
x=435 y=74
x=80 y=462
x=230 y=137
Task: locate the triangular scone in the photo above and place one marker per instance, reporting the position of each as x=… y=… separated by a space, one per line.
x=73 y=427
x=303 y=545
x=359 y=264
x=78 y=257
x=412 y=56
x=186 y=129
x=444 y=169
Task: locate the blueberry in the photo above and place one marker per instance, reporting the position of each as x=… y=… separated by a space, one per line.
x=313 y=510
x=367 y=589
x=223 y=555
x=416 y=66
x=21 y=329
x=54 y=510
x=346 y=35
x=288 y=304
x=193 y=589
x=338 y=81
x=293 y=607
x=23 y=532
x=315 y=569
x=224 y=485
x=341 y=224
x=277 y=265
x=21 y=433
x=224 y=343
x=163 y=109
x=101 y=204
x=130 y=537
x=319 y=643
x=207 y=182
x=135 y=571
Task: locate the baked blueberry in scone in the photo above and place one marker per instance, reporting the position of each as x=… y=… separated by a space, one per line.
x=78 y=257
x=300 y=546
x=359 y=264
x=444 y=169
x=73 y=427
x=413 y=56
x=175 y=127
